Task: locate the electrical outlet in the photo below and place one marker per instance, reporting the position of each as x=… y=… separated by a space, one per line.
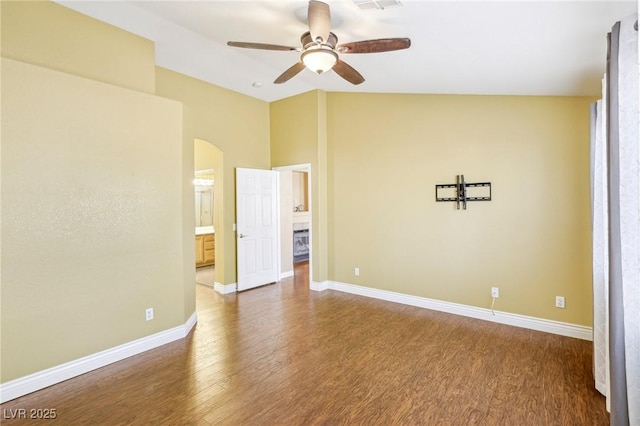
x=560 y=302
x=356 y=272
x=149 y=314
x=495 y=292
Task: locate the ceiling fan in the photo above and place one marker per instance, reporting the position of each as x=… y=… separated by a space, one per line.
x=320 y=51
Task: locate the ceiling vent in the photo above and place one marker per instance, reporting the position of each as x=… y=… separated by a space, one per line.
x=376 y=4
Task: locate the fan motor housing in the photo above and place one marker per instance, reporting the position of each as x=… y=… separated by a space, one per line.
x=308 y=41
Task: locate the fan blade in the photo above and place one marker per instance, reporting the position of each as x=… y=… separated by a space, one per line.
x=319 y=17
x=347 y=72
x=375 y=46
x=262 y=46
x=290 y=73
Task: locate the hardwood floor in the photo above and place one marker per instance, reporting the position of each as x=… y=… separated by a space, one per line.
x=284 y=355
x=206 y=275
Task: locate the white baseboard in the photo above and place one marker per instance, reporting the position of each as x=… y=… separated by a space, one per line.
x=42 y=379
x=191 y=322
x=286 y=274
x=532 y=323
x=225 y=288
x=319 y=286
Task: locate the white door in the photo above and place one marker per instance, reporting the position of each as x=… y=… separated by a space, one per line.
x=257 y=227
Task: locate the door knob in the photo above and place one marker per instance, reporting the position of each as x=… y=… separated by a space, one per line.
x=242 y=235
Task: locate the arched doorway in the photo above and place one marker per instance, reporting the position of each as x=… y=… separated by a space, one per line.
x=208 y=212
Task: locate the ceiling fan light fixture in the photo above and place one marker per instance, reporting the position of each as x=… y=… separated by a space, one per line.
x=320 y=48
x=319 y=60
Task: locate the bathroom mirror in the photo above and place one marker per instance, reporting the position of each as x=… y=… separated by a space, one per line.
x=204 y=187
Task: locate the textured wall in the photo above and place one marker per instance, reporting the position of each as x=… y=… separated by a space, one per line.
x=91 y=217
x=387 y=152
x=47 y=34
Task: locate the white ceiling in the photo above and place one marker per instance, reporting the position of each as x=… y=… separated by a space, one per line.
x=503 y=47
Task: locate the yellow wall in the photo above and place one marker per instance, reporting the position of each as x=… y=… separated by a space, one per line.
x=91 y=217
x=236 y=124
x=294 y=130
x=204 y=157
x=387 y=152
x=47 y=34
x=188 y=218
x=87 y=184
x=299 y=136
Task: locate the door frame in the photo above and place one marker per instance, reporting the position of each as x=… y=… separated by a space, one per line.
x=303 y=167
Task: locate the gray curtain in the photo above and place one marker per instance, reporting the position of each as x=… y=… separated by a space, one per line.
x=615 y=179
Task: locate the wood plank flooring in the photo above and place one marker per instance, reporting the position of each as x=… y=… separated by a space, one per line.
x=284 y=355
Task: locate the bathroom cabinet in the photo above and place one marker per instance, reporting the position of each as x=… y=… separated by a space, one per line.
x=205 y=250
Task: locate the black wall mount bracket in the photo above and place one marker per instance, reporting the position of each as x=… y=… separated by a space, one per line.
x=481 y=192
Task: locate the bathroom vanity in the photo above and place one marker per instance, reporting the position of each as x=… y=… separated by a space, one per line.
x=205 y=246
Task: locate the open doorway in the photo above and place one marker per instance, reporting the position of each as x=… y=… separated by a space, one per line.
x=296 y=233
x=207 y=209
